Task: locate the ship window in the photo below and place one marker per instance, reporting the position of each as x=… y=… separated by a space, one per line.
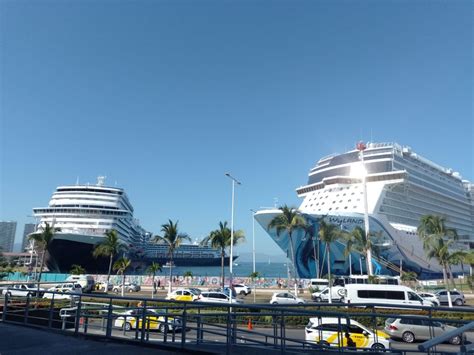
x=345 y=207
x=330 y=208
x=337 y=208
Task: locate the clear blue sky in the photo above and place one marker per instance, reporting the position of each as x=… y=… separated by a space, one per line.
x=164 y=97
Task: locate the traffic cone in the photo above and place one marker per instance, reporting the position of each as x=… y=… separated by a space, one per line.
x=249 y=324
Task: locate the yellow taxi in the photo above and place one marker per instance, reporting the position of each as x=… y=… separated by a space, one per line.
x=182 y=295
x=342 y=332
x=155 y=320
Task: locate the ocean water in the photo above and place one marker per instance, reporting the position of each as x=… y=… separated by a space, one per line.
x=244 y=269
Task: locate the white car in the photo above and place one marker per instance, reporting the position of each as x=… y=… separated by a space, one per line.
x=241 y=289
x=24 y=290
x=337 y=293
x=217 y=297
x=343 y=332
x=430 y=297
x=64 y=291
x=286 y=298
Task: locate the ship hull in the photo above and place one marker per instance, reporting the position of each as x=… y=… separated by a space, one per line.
x=310 y=256
x=69 y=249
x=65 y=250
x=190 y=261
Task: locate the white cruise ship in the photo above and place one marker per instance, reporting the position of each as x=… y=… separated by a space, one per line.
x=84 y=213
x=401 y=187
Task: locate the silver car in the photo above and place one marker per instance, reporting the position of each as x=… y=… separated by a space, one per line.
x=457 y=297
x=410 y=330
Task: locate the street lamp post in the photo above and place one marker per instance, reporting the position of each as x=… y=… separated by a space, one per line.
x=253 y=239
x=234 y=181
x=253 y=252
x=361 y=147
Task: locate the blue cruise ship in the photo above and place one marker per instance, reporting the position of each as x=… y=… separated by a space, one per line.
x=401 y=187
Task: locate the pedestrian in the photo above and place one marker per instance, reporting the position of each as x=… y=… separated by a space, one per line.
x=159 y=283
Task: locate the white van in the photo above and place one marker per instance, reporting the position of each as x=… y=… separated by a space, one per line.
x=337 y=293
x=391 y=295
x=86 y=281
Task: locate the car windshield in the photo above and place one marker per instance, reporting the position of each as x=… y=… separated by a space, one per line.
x=30 y=285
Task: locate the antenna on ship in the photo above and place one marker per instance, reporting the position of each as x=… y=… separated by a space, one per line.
x=101 y=180
x=77 y=181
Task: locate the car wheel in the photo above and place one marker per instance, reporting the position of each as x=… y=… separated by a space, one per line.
x=324 y=343
x=378 y=346
x=163 y=328
x=243 y=293
x=116 y=290
x=29 y=294
x=127 y=326
x=318 y=299
x=458 y=302
x=9 y=294
x=455 y=340
x=408 y=337
x=274 y=302
x=130 y=290
x=300 y=302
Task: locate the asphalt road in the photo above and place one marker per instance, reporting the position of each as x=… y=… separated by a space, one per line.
x=217 y=334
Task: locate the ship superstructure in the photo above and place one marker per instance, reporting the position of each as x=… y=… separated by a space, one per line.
x=401 y=187
x=83 y=214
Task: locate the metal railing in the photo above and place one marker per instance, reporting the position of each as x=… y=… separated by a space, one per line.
x=199 y=325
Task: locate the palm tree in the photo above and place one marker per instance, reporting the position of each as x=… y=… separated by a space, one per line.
x=77 y=269
x=253 y=276
x=120 y=266
x=173 y=239
x=437 y=239
x=309 y=231
x=329 y=233
x=152 y=270
x=110 y=246
x=357 y=240
x=221 y=239
x=289 y=221
x=43 y=238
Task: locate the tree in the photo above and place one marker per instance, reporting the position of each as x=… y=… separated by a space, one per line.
x=437 y=240
x=221 y=239
x=309 y=231
x=173 y=239
x=110 y=246
x=152 y=270
x=77 y=270
x=188 y=274
x=254 y=276
x=408 y=276
x=357 y=240
x=43 y=239
x=329 y=233
x=5 y=268
x=289 y=221
x=121 y=265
